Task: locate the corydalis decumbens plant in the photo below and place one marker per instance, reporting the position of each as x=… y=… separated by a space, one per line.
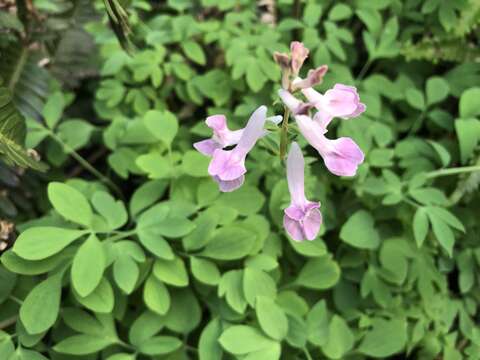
x=341 y=156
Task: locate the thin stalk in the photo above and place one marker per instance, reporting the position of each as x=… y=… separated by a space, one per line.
x=364 y=70
x=122 y=235
x=413 y=203
x=307 y=353
x=284 y=134
x=86 y=165
x=452 y=171
x=8 y=322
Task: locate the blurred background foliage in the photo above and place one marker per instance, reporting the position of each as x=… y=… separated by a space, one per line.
x=127 y=249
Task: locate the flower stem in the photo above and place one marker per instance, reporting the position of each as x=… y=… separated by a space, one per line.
x=364 y=70
x=452 y=171
x=85 y=164
x=284 y=134
x=307 y=353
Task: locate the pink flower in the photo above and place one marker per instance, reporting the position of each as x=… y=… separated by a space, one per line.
x=228 y=166
x=341 y=101
x=314 y=77
x=341 y=156
x=222 y=136
x=299 y=53
x=296 y=106
x=302 y=218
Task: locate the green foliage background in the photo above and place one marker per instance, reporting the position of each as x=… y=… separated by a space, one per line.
x=127 y=250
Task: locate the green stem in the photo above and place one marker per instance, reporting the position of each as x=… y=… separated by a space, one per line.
x=364 y=70
x=8 y=322
x=122 y=235
x=17 y=72
x=307 y=354
x=452 y=171
x=85 y=164
x=284 y=134
x=413 y=203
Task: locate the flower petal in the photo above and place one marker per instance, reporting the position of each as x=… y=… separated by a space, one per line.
x=293 y=228
x=207 y=147
x=344 y=156
x=231 y=185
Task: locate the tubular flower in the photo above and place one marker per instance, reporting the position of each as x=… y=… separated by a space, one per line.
x=222 y=136
x=227 y=167
x=341 y=156
x=341 y=101
x=302 y=218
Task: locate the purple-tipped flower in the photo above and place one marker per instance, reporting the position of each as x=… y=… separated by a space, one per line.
x=299 y=53
x=341 y=101
x=222 y=136
x=228 y=166
x=296 y=106
x=314 y=77
x=302 y=218
x=342 y=156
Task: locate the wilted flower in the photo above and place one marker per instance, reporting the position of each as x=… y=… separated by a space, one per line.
x=228 y=166
x=302 y=218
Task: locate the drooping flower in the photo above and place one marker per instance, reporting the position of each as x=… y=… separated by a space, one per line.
x=302 y=218
x=341 y=156
x=341 y=101
x=227 y=167
x=222 y=136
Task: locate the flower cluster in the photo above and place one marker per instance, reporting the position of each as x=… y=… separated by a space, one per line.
x=342 y=156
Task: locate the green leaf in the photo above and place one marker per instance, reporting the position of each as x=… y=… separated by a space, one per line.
x=125 y=273
x=39 y=310
x=231 y=287
x=53 y=109
x=315 y=248
x=75 y=133
x=256 y=79
x=271 y=317
x=70 y=203
x=242 y=339
x=12 y=134
x=162 y=124
x=185 y=312
x=195 y=164
x=229 y=243
x=468 y=133
x=415 y=98
x=340 y=338
x=101 y=300
x=468 y=106
x=38 y=243
x=317 y=324
x=386 y=338
x=340 y=12
x=156 y=296
x=360 y=232
x=83 y=344
x=205 y=271
x=442 y=232
x=208 y=345
x=420 y=226
x=112 y=210
x=88 y=265
x=194 y=52
x=144 y=327
x=319 y=273
x=172 y=272
x=247 y=200
x=8 y=281
x=312 y=13
x=258 y=283
x=437 y=90
x=159 y=345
